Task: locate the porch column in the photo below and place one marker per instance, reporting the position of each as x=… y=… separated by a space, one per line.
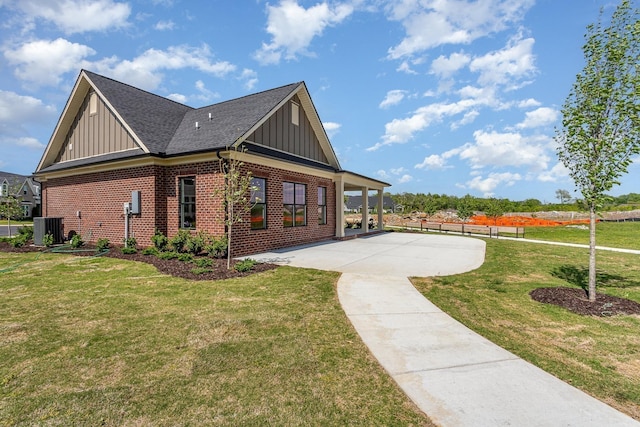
x=339 y=206
x=365 y=209
x=380 y=209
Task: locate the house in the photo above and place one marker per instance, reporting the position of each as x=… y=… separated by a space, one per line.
x=23 y=188
x=354 y=203
x=123 y=160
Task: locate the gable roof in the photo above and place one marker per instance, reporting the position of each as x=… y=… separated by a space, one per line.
x=162 y=127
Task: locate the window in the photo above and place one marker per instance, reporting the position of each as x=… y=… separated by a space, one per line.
x=25 y=211
x=5 y=189
x=258 y=203
x=295 y=114
x=322 y=205
x=187 y=202
x=294 y=197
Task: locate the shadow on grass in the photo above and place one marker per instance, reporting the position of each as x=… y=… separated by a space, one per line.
x=579 y=276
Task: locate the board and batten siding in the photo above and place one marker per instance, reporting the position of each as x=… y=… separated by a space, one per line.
x=94 y=132
x=280 y=133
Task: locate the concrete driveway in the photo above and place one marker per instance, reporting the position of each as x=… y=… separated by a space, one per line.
x=390 y=254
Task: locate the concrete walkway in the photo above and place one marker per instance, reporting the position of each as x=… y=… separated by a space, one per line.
x=457 y=377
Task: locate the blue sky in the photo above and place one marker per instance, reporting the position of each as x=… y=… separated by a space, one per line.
x=442 y=96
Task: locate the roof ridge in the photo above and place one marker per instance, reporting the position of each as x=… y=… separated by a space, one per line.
x=251 y=95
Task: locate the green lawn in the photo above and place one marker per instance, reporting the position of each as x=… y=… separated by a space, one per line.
x=609 y=234
x=597 y=355
x=109 y=342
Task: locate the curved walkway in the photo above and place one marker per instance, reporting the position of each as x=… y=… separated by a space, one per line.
x=457 y=377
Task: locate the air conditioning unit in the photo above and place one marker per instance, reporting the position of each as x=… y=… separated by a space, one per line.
x=44 y=226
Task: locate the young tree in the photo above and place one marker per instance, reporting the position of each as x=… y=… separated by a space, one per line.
x=563 y=196
x=601 y=116
x=495 y=209
x=465 y=208
x=10 y=205
x=236 y=194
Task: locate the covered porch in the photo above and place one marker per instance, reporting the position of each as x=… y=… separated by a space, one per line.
x=351 y=182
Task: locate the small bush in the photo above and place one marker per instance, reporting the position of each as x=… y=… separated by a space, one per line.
x=195 y=244
x=217 y=248
x=129 y=250
x=130 y=242
x=185 y=257
x=203 y=262
x=47 y=240
x=179 y=241
x=19 y=241
x=150 y=251
x=201 y=270
x=102 y=244
x=76 y=241
x=159 y=240
x=27 y=232
x=245 y=265
x=168 y=255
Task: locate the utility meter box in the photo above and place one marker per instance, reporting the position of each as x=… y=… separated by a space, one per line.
x=135 y=203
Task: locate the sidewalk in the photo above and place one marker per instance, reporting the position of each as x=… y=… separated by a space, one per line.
x=457 y=377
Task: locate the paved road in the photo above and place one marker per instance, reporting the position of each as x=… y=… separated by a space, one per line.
x=4 y=230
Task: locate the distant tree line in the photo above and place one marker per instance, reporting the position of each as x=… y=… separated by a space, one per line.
x=432 y=203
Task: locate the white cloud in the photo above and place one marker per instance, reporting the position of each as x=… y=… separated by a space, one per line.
x=507 y=66
x=30 y=143
x=332 y=128
x=438 y=161
x=557 y=172
x=178 y=97
x=468 y=118
x=43 y=62
x=528 y=103
x=489 y=184
x=250 y=78
x=17 y=109
x=433 y=23
x=165 y=25
x=397 y=174
x=496 y=149
x=444 y=66
x=77 y=16
x=393 y=97
x=405 y=178
x=540 y=117
x=292 y=28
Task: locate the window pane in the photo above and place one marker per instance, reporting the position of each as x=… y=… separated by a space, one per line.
x=258 y=217
x=187 y=202
x=287 y=216
x=301 y=198
x=322 y=215
x=258 y=190
x=322 y=196
x=288 y=193
x=301 y=215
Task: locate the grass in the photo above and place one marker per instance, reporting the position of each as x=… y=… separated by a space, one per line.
x=109 y=342
x=597 y=355
x=610 y=234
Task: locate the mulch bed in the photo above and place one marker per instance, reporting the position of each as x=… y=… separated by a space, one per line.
x=171 y=267
x=577 y=301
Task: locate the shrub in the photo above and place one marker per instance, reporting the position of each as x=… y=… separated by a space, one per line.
x=185 y=257
x=150 y=251
x=159 y=240
x=195 y=244
x=27 y=232
x=217 y=248
x=201 y=270
x=47 y=240
x=76 y=241
x=168 y=255
x=179 y=241
x=245 y=265
x=130 y=242
x=19 y=241
x=102 y=244
x=203 y=262
x=129 y=250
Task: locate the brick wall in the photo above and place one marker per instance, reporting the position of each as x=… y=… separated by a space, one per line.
x=100 y=196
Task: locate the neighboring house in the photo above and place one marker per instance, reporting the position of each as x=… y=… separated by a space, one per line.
x=354 y=204
x=114 y=143
x=24 y=188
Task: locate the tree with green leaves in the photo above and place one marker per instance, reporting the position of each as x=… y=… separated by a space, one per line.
x=495 y=209
x=11 y=205
x=465 y=208
x=563 y=195
x=601 y=115
x=236 y=194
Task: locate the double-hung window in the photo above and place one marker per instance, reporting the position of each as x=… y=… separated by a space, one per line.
x=322 y=205
x=258 y=203
x=187 y=202
x=294 y=198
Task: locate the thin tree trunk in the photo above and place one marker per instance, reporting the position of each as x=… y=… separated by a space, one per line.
x=9 y=226
x=229 y=226
x=592 y=254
